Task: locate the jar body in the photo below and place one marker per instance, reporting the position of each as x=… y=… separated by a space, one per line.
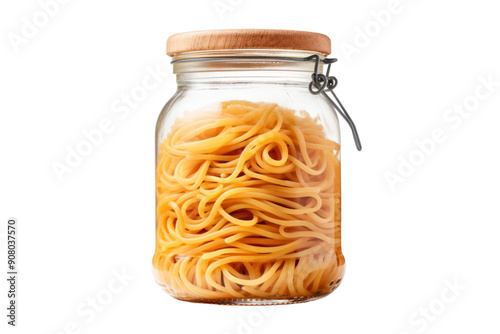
x=247 y=190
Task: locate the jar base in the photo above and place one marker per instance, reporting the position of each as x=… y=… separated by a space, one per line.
x=254 y=301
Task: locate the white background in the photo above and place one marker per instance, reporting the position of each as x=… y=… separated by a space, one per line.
x=404 y=245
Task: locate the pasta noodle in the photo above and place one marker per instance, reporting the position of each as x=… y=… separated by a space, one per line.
x=248 y=206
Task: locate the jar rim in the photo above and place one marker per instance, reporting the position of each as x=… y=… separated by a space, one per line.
x=244 y=60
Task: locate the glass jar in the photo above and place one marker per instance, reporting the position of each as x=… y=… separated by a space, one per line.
x=247 y=174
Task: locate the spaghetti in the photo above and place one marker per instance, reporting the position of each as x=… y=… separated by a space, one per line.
x=248 y=205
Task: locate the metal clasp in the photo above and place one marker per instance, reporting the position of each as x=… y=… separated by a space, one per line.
x=324 y=84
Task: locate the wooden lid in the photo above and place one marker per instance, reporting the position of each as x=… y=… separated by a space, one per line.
x=232 y=39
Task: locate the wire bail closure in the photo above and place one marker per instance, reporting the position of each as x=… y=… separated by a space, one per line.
x=320 y=83
x=323 y=84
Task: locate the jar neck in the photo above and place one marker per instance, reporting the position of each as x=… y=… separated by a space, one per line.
x=234 y=67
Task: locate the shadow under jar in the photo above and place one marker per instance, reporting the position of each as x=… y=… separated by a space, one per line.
x=247 y=172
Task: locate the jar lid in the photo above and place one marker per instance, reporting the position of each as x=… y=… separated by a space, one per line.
x=253 y=39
